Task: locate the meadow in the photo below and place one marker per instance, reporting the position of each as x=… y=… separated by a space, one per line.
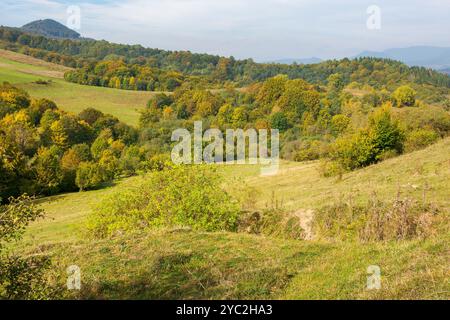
x=23 y=71
x=182 y=263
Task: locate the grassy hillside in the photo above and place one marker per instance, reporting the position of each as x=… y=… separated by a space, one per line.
x=187 y=264
x=24 y=71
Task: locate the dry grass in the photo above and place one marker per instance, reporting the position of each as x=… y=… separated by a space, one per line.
x=24 y=59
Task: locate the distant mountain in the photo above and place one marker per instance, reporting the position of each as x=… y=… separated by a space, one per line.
x=446 y=71
x=298 y=61
x=50 y=28
x=422 y=56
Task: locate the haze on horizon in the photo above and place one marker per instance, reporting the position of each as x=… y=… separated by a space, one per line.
x=260 y=29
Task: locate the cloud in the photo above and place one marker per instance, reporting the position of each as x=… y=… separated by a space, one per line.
x=263 y=29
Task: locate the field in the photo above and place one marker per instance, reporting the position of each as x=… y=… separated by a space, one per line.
x=186 y=264
x=23 y=71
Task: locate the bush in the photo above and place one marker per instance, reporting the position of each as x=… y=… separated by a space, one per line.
x=369 y=145
x=311 y=150
x=355 y=151
x=21 y=278
x=419 y=139
x=329 y=169
x=404 y=96
x=184 y=196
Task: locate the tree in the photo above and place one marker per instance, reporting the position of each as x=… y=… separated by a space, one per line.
x=404 y=96
x=102 y=143
x=90 y=115
x=368 y=145
x=336 y=82
x=109 y=165
x=225 y=114
x=271 y=90
x=384 y=131
x=12 y=99
x=38 y=107
x=223 y=70
x=13 y=165
x=89 y=175
x=297 y=98
x=70 y=161
x=339 y=123
x=160 y=100
x=279 y=121
x=239 y=117
x=19 y=131
x=48 y=173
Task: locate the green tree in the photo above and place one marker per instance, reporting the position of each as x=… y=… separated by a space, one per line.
x=102 y=143
x=47 y=169
x=339 y=123
x=225 y=114
x=270 y=91
x=38 y=107
x=298 y=97
x=385 y=131
x=89 y=175
x=90 y=115
x=336 y=82
x=279 y=121
x=239 y=117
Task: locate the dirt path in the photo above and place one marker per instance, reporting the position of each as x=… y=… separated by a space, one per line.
x=306 y=218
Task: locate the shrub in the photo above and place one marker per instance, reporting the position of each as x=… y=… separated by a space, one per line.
x=419 y=139
x=355 y=151
x=311 y=150
x=184 y=196
x=404 y=96
x=21 y=278
x=329 y=168
x=369 y=145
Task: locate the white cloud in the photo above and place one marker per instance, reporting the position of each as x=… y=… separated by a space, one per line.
x=262 y=29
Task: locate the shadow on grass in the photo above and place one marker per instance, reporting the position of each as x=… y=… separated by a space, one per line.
x=196 y=276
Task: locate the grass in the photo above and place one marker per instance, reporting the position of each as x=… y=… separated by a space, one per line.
x=183 y=264
x=23 y=71
x=299 y=186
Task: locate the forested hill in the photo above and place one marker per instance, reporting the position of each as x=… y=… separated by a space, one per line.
x=81 y=53
x=50 y=28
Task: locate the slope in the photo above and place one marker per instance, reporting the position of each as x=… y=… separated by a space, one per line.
x=24 y=71
x=186 y=264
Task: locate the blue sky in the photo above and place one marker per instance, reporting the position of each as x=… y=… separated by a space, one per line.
x=260 y=29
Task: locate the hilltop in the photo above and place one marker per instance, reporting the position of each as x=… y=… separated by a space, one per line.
x=50 y=28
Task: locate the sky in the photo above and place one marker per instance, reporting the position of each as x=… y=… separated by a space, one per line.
x=264 y=30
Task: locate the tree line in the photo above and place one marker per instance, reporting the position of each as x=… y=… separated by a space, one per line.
x=215 y=69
